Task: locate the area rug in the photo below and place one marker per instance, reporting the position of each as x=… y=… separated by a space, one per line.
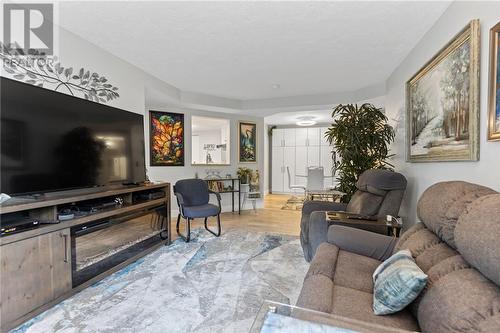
x=208 y=285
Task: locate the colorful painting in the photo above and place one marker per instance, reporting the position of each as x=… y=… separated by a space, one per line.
x=494 y=118
x=443 y=103
x=248 y=143
x=166 y=138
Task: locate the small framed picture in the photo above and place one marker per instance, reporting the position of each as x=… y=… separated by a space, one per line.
x=166 y=138
x=247 y=147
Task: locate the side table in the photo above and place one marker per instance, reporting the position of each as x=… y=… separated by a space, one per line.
x=393 y=228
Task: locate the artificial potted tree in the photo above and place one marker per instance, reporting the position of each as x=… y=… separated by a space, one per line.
x=361 y=137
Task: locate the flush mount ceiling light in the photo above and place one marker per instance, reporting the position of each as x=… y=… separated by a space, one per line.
x=276 y=86
x=306 y=121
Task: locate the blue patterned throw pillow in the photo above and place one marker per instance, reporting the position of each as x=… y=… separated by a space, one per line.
x=397 y=282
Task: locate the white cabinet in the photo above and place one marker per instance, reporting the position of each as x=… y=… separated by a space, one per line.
x=298 y=149
x=288 y=162
x=289 y=137
x=307 y=136
x=300 y=164
x=327 y=164
x=313 y=136
x=313 y=156
x=324 y=141
x=283 y=158
x=277 y=169
x=301 y=136
x=284 y=137
x=278 y=137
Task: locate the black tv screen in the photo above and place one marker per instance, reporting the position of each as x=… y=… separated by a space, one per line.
x=52 y=141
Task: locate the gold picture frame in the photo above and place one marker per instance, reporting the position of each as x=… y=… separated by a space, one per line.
x=494 y=86
x=442 y=103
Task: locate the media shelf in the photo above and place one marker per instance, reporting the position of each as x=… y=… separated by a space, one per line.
x=40 y=265
x=217 y=185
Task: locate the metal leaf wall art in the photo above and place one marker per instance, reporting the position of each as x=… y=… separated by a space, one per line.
x=47 y=72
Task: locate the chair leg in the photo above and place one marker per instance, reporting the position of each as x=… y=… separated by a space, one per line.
x=186 y=238
x=216 y=234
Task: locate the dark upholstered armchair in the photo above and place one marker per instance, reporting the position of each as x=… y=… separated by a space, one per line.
x=193 y=201
x=379 y=193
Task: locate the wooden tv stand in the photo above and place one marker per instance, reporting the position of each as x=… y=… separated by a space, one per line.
x=36 y=264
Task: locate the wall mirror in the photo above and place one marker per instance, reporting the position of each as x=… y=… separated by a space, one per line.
x=210 y=141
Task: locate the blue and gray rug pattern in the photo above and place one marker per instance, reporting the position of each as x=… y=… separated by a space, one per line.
x=208 y=285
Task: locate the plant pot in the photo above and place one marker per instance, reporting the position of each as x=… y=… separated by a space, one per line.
x=244 y=179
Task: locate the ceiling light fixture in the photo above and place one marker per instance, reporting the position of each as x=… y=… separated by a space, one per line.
x=306 y=121
x=276 y=86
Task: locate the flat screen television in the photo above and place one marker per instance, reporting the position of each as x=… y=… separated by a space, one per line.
x=52 y=141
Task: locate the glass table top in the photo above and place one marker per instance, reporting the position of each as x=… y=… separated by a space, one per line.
x=276 y=317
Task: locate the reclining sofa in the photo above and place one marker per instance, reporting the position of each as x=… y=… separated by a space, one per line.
x=457 y=245
x=379 y=193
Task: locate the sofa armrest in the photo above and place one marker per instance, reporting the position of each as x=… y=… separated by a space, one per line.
x=310 y=206
x=361 y=242
x=311 y=237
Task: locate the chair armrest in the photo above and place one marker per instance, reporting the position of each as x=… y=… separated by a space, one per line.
x=361 y=242
x=313 y=206
x=217 y=195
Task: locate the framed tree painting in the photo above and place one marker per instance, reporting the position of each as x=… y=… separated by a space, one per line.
x=442 y=103
x=494 y=103
x=166 y=138
x=247 y=148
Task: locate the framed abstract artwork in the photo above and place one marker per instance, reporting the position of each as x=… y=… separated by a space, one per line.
x=166 y=132
x=442 y=103
x=247 y=147
x=494 y=94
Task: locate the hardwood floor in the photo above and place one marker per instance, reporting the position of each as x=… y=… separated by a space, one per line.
x=271 y=219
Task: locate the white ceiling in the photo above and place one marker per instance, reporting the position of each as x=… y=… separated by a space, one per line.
x=291 y=118
x=239 y=50
x=320 y=116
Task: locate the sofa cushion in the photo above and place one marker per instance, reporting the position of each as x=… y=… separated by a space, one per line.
x=433 y=255
x=355 y=271
x=201 y=211
x=397 y=282
x=477 y=236
x=364 y=203
x=357 y=304
x=320 y=292
x=418 y=241
x=378 y=181
x=462 y=300
x=407 y=234
x=441 y=205
x=446 y=266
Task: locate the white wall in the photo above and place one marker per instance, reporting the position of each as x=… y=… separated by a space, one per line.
x=422 y=175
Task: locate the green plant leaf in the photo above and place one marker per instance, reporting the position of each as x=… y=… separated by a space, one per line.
x=361 y=137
